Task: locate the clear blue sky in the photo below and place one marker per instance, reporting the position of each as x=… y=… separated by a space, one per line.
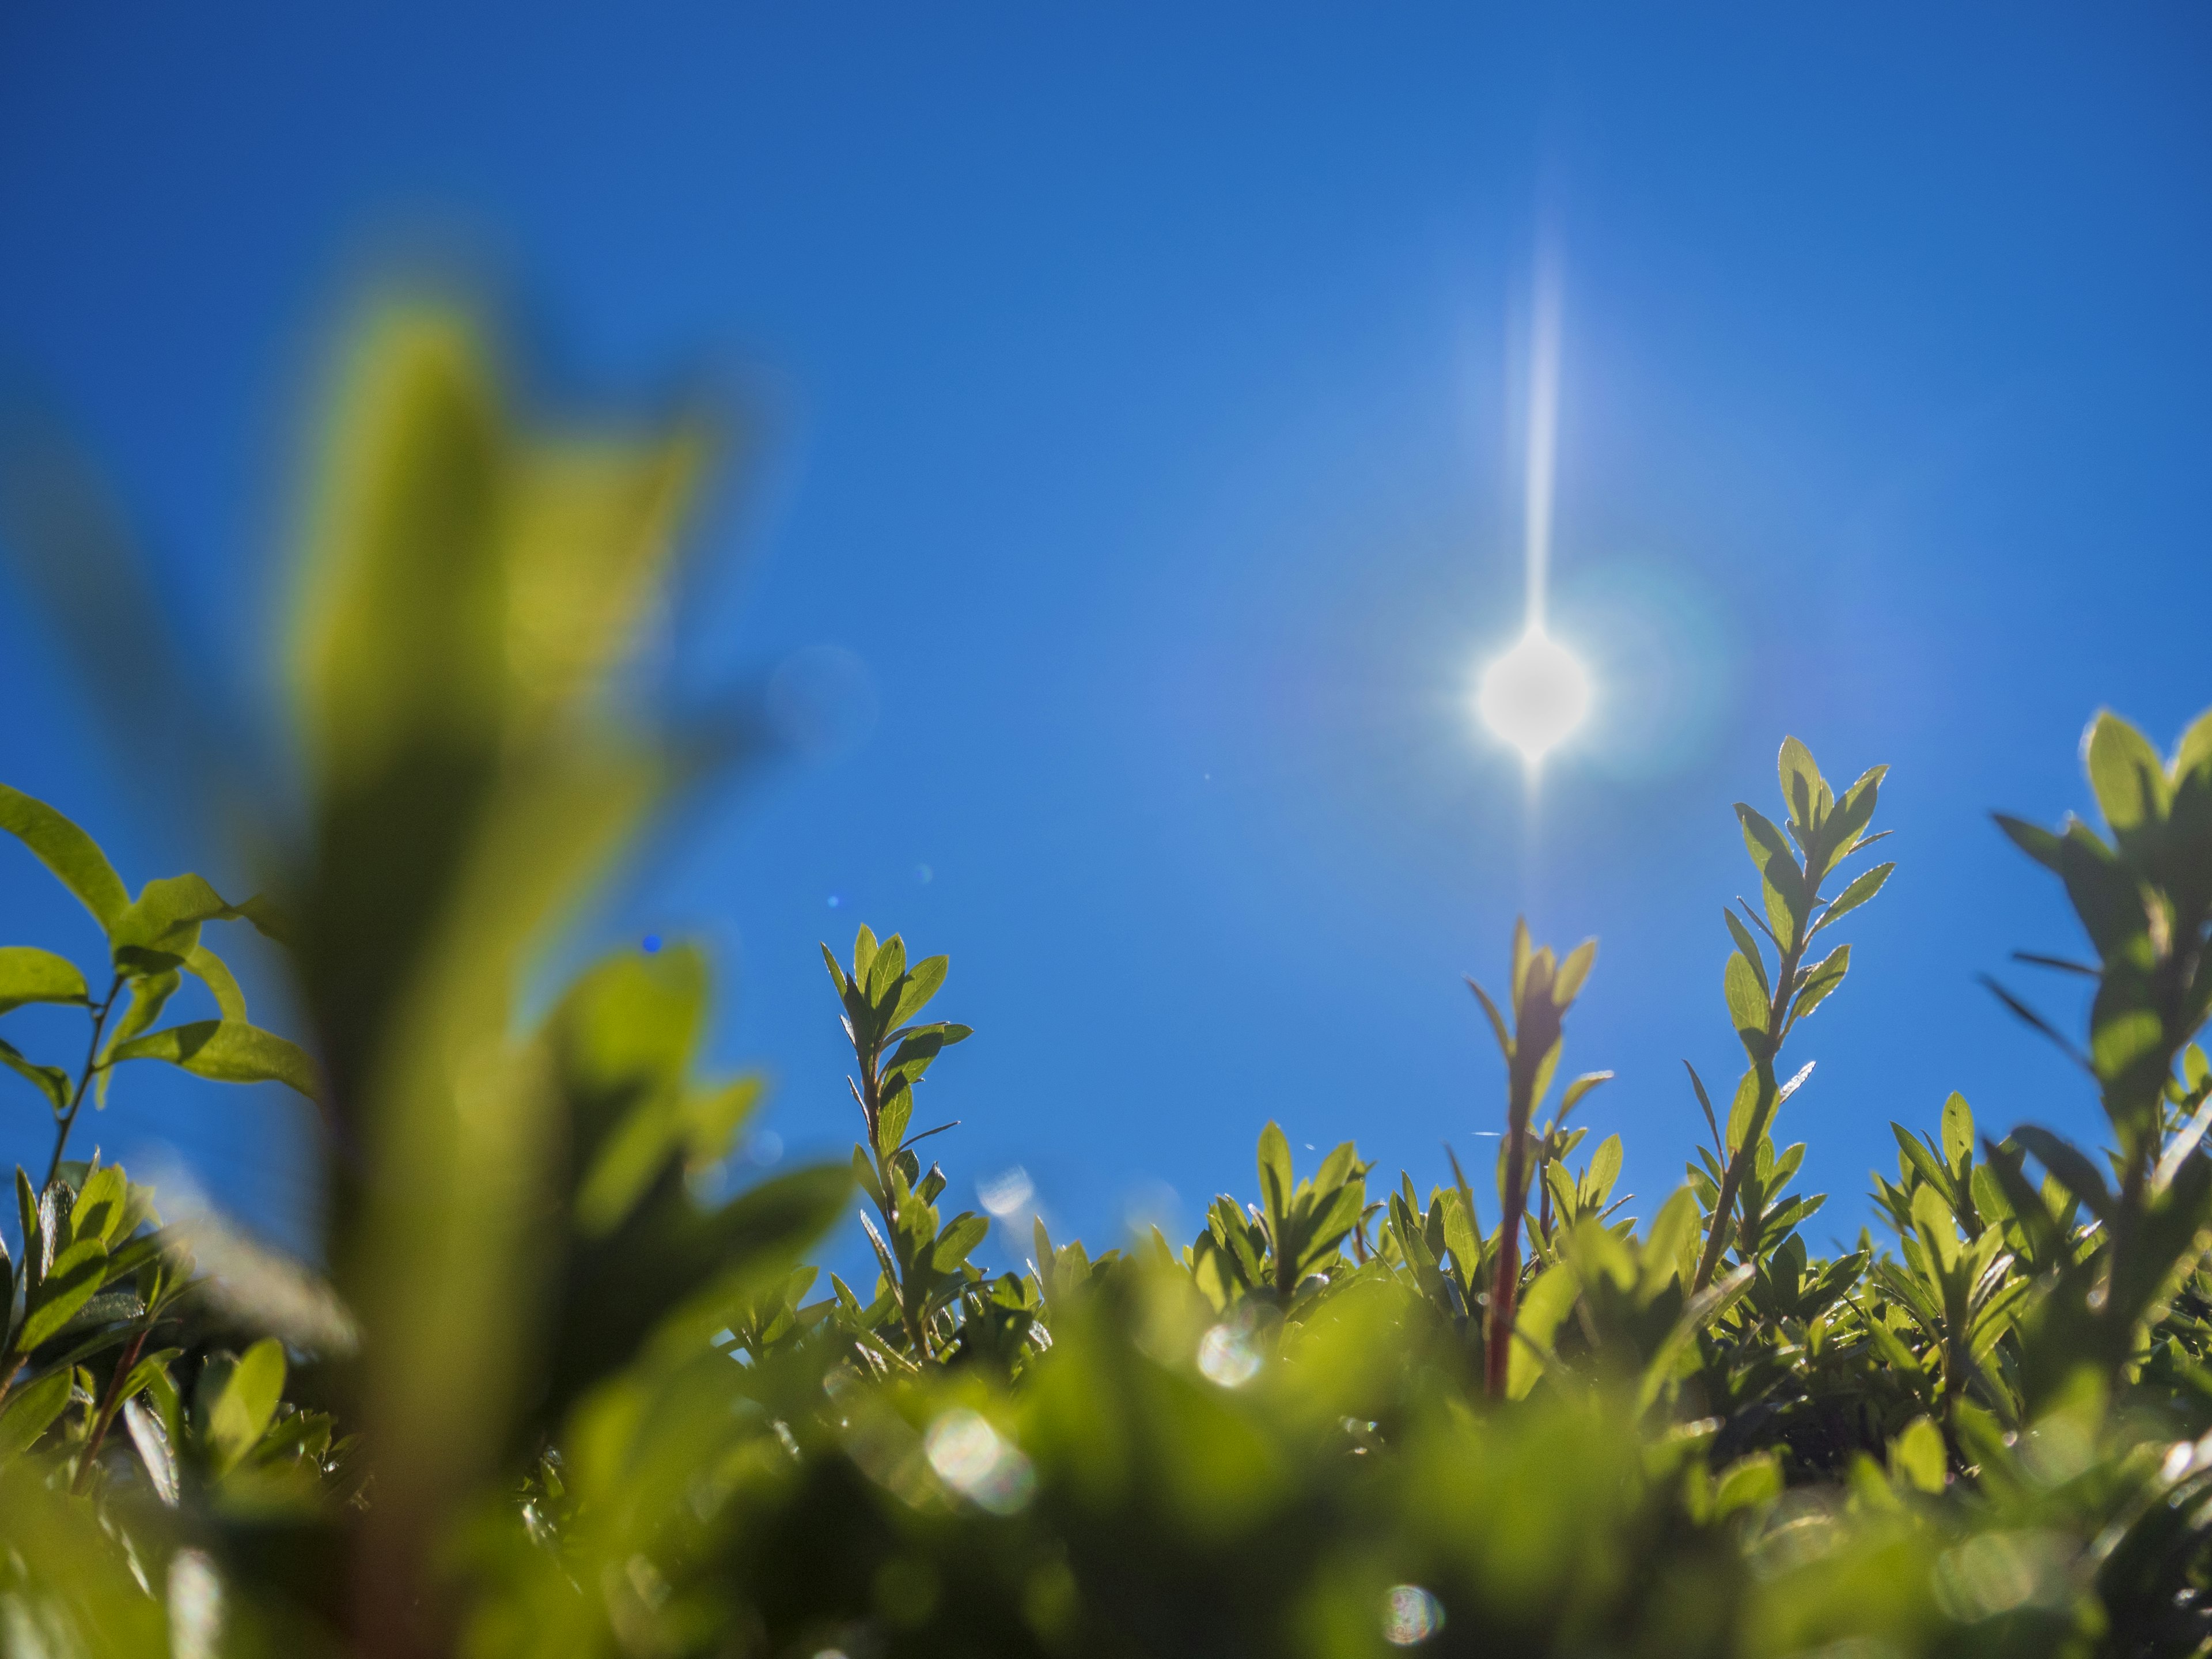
x=1136 y=392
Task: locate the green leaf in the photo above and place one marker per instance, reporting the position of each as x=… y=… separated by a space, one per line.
x=1497 y=1021
x=1800 y=789
x=34 y=1407
x=2102 y=893
x=1852 y=815
x=1604 y=1170
x=1769 y=851
x=30 y=974
x=1820 y=979
x=226 y=1051
x=211 y=971
x=923 y=982
x=2194 y=752
x=1747 y=1004
x=1572 y=972
x=884 y=971
x=1749 y=947
x=240 y=1412
x=1581 y=1086
x=149 y=994
x=66 y=1290
x=897 y=1111
x=71 y=854
x=961 y=1235
x=1701 y=1310
x=2031 y=839
x=102 y=1204
x=2069 y=1167
x=163 y=925
x=1864 y=888
x=1749 y=1091
x=1275 y=1181
x=1933 y=1217
x=51 y=1081
x=2126 y=773
x=1549 y=1301
x=1916 y=1457
x=1746 y=1483
x=1958 y=1131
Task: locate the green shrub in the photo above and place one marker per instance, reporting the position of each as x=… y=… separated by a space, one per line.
x=550 y=1399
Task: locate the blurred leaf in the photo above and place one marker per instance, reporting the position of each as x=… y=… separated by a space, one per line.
x=2036 y=842
x=31 y=1409
x=2126 y=773
x=1916 y=1455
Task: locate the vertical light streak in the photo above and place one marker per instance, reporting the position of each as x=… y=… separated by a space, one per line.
x=1543 y=441
x=1535 y=695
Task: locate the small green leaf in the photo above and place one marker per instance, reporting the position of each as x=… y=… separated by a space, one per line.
x=923 y=982
x=1822 y=979
x=1572 y=972
x=1746 y=1484
x=1801 y=788
x=1868 y=884
x=1750 y=1091
x=961 y=1235
x=884 y=971
x=1581 y=1086
x=2126 y=773
x=1747 y=1004
x=1604 y=1170
x=241 y=1411
x=30 y=974
x=51 y=1081
x=1957 y=1132
x=1275 y=1181
x=896 y=1113
x=1497 y=1021
x=1749 y=946
x=71 y=854
x=226 y=1051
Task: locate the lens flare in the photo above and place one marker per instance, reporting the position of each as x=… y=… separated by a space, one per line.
x=1534 y=696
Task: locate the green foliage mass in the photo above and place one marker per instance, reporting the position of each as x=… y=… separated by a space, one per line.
x=549 y=1394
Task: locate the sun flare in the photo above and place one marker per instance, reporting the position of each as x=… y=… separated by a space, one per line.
x=1534 y=696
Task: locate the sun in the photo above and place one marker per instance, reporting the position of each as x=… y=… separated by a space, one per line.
x=1534 y=696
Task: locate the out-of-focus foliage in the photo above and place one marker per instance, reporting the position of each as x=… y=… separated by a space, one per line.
x=551 y=1397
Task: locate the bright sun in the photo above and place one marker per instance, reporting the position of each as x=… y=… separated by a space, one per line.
x=1534 y=696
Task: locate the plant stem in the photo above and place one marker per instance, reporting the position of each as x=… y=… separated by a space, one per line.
x=109 y=1406
x=68 y=1119
x=1754 y=1131
x=1506 y=1284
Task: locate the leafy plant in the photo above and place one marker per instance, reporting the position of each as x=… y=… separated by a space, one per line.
x=551 y=1389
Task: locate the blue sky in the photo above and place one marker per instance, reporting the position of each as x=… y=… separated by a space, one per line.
x=1135 y=400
